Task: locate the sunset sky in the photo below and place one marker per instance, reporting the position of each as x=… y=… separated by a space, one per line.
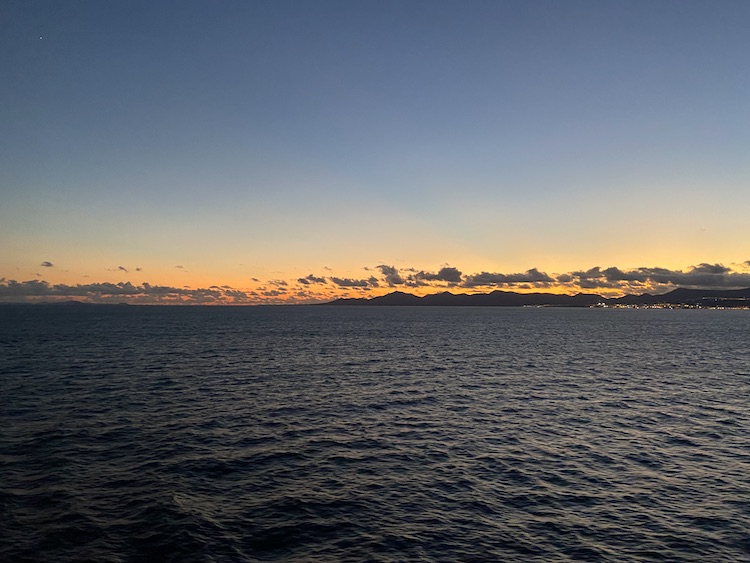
x=294 y=151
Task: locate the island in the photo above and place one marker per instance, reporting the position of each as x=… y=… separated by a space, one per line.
x=677 y=298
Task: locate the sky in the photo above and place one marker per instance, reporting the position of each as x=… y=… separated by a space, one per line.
x=296 y=151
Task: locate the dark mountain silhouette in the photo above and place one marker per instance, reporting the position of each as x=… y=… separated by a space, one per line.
x=679 y=296
x=684 y=296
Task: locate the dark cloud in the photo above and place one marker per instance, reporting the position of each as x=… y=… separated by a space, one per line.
x=47 y=264
x=701 y=276
x=139 y=269
x=391 y=275
x=641 y=279
x=591 y=274
x=533 y=276
x=616 y=274
x=587 y=279
x=348 y=282
x=122 y=268
x=113 y=292
x=613 y=279
x=32 y=288
x=236 y=294
x=710 y=269
x=311 y=279
x=446 y=274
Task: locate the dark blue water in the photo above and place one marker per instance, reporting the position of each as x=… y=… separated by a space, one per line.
x=378 y=434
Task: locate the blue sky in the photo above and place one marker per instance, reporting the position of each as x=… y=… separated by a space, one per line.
x=272 y=140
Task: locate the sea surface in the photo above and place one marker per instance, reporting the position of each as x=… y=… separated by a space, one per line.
x=373 y=434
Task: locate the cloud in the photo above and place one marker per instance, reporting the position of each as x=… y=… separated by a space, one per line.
x=311 y=288
x=446 y=274
x=348 y=282
x=703 y=275
x=616 y=274
x=35 y=290
x=711 y=269
x=122 y=268
x=310 y=280
x=637 y=280
x=236 y=294
x=532 y=276
x=47 y=264
x=391 y=275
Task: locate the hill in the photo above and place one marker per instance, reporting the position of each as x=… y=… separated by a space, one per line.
x=679 y=296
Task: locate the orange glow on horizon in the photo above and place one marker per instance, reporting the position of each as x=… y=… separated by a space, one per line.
x=185 y=284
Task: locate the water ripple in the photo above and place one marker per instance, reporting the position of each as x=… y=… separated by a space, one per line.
x=322 y=434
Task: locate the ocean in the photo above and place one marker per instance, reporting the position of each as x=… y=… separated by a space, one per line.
x=316 y=433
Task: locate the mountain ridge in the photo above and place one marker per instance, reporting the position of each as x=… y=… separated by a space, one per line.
x=498 y=298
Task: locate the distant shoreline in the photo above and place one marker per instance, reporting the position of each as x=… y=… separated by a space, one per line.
x=682 y=298
x=677 y=298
